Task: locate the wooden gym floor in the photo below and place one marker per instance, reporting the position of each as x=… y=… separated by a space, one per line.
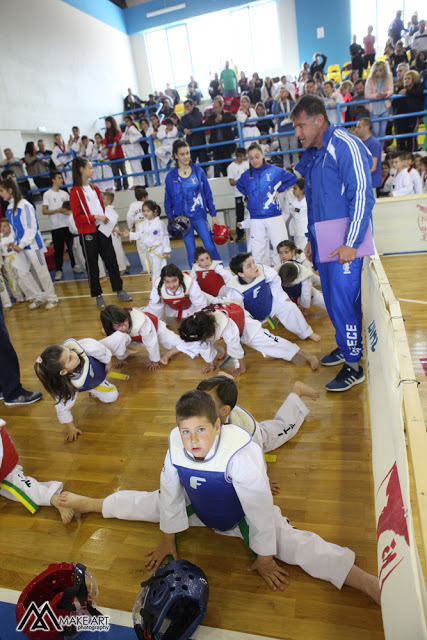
x=325 y=472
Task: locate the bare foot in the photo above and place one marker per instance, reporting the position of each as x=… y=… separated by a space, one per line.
x=168 y=355
x=83 y=504
x=315 y=337
x=66 y=513
x=302 y=389
x=303 y=357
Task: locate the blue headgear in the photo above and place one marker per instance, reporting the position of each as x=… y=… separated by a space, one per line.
x=172 y=602
x=178 y=226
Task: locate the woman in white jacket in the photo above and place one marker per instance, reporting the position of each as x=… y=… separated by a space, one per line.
x=132 y=148
x=244 y=113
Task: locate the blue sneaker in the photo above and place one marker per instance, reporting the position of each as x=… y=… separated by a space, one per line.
x=333 y=358
x=346 y=379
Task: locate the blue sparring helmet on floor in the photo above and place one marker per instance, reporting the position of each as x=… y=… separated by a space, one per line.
x=178 y=226
x=172 y=602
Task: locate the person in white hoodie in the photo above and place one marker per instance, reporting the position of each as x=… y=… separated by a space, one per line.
x=331 y=99
x=167 y=134
x=153 y=234
x=402 y=182
x=132 y=148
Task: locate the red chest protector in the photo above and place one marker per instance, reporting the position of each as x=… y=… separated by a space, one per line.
x=10 y=456
x=179 y=302
x=233 y=311
x=138 y=318
x=209 y=281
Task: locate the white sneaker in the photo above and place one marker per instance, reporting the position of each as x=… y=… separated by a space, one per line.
x=35 y=304
x=77 y=269
x=58 y=275
x=51 y=304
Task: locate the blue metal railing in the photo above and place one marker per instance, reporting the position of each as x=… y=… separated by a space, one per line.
x=240 y=140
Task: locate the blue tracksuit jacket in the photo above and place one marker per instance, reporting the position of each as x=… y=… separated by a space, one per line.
x=174 y=195
x=338 y=184
x=261 y=186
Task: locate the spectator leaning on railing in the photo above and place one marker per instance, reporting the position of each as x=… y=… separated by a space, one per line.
x=193 y=119
x=216 y=117
x=379 y=85
x=34 y=166
x=413 y=90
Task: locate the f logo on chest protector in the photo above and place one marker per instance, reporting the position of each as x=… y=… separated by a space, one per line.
x=196 y=482
x=256 y=292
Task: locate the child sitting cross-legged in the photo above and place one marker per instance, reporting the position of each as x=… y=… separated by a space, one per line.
x=296 y=282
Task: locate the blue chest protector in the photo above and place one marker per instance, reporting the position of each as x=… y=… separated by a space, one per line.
x=294 y=291
x=257 y=296
x=93 y=371
x=206 y=483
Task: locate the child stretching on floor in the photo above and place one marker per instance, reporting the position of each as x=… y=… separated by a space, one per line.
x=142 y=327
x=231 y=323
x=66 y=369
x=296 y=282
x=287 y=250
x=18 y=487
x=176 y=294
x=268 y=434
x=152 y=233
x=260 y=289
x=232 y=495
x=210 y=274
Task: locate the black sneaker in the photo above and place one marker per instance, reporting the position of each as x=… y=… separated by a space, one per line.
x=346 y=379
x=26 y=397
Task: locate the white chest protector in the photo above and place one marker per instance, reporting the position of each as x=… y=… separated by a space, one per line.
x=244 y=419
x=231 y=440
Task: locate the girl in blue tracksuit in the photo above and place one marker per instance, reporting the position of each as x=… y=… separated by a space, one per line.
x=261 y=184
x=187 y=192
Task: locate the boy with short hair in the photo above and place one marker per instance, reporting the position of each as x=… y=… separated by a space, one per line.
x=210 y=274
x=217 y=474
x=234 y=171
x=260 y=289
x=402 y=183
x=268 y=434
x=53 y=201
x=296 y=209
x=409 y=162
x=133 y=217
x=297 y=283
x=122 y=261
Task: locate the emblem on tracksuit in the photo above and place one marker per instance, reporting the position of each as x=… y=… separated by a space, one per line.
x=346 y=268
x=268 y=177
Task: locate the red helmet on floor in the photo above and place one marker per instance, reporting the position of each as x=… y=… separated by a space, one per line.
x=61 y=590
x=221 y=233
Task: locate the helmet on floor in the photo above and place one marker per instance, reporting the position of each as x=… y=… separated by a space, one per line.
x=221 y=233
x=63 y=590
x=172 y=602
x=178 y=226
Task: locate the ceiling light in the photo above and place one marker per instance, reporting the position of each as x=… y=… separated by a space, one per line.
x=160 y=12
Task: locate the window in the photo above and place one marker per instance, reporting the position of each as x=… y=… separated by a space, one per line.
x=201 y=46
x=379 y=14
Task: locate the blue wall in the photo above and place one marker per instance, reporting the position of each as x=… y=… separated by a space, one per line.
x=334 y=16
x=103 y=10
x=136 y=20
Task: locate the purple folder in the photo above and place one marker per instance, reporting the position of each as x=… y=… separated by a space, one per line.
x=331 y=234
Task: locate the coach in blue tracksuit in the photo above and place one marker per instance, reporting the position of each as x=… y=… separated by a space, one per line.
x=187 y=192
x=336 y=167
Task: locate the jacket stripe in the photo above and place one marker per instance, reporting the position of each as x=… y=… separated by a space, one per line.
x=360 y=200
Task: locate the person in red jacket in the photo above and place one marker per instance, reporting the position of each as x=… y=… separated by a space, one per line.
x=115 y=152
x=89 y=215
